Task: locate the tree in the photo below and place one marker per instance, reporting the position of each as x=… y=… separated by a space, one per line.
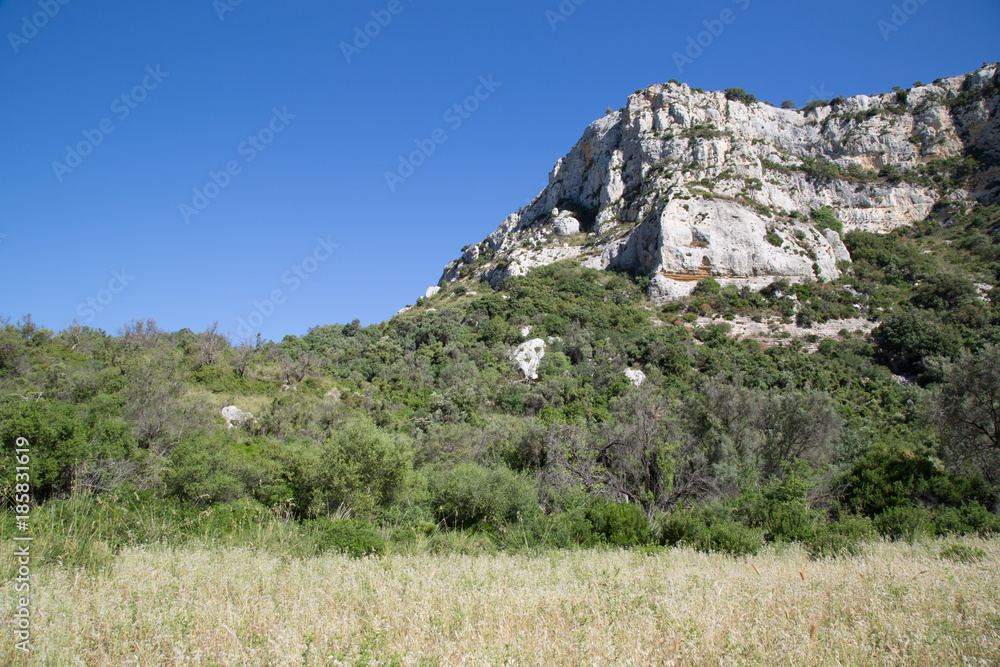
x=740 y=95
x=906 y=341
x=210 y=343
x=636 y=457
x=797 y=425
x=967 y=408
x=788 y=104
x=242 y=355
x=150 y=394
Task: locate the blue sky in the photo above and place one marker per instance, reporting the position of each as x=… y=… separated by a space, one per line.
x=226 y=161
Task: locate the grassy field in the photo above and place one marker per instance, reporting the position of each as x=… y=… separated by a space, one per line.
x=929 y=603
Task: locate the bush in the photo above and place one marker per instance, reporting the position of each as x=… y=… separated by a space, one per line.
x=360 y=468
x=841 y=537
x=707 y=286
x=215 y=469
x=347 y=536
x=969 y=519
x=963 y=553
x=470 y=495
x=711 y=528
x=813 y=105
x=618 y=524
x=905 y=522
x=57 y=438
x=820 y=169
x=825 y=218
x=781 y=508
x=740 y=95
x=906 y=340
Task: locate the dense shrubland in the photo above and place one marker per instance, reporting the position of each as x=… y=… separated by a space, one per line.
x=422 y=430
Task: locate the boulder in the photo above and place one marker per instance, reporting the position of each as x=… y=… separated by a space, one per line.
x=235 y=417
x=564 y=224
x=635 y=376
x=529 y=355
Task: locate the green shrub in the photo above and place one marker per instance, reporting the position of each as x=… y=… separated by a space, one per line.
x=570 y=528
x=820 y=169
x=348 y=536
x=213 y=469
x=707 y=286
x=969 y=519
x=57 y=438
x=740 y=95
x=906 y=340
x=774 y=238
x=905 y=522
x=825 y=218
x=711 y=528
x=812 y=105
x=842 y=537
x=618 y=524
x=359 y=467
x=963 y=553
x=470 y=495
x=780 y=509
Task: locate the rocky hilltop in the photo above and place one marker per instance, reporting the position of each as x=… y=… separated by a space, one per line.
x=682 y=184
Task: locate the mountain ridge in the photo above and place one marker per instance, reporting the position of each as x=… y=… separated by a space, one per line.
x=682 y=184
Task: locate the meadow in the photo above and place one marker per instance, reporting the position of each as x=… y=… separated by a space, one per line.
x=930 y=602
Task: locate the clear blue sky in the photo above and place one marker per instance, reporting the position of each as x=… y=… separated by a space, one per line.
x=197 y=86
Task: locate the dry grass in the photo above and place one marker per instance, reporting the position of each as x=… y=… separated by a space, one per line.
x=897 y=604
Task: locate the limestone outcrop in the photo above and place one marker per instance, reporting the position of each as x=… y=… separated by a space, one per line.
x=528 y=356
x=682 y=184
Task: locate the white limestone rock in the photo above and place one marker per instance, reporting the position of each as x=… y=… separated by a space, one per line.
x=635 y=376
x=432 y=291
x=840 y=251
x=681 y=184
x=529 y=355
x=564 y=223
x=471 y=254
x=235 y=417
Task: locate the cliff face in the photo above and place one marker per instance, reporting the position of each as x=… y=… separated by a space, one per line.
x=682 y=184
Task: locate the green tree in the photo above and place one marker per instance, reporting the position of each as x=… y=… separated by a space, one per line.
x=967 y=408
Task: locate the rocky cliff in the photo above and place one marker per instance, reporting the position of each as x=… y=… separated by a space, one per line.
x=682 y=184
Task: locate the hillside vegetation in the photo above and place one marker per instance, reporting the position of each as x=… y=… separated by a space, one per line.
x=423 y=428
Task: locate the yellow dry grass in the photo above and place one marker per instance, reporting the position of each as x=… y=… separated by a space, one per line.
x=896 y=604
